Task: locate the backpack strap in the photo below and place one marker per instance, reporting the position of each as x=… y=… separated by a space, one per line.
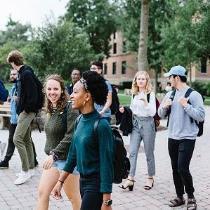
x=169 y=110
x=148 y=97
x=187 y=94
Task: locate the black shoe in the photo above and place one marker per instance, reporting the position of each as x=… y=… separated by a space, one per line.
x=4 y=164
x=36 y=163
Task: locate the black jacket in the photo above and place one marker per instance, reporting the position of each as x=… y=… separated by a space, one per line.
x=27 y=91
x=126 y=124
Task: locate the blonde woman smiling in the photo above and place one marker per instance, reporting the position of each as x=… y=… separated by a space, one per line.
x=143 y=107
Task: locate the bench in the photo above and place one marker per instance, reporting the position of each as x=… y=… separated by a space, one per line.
x=5 y=114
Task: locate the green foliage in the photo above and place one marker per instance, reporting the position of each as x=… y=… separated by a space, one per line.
x=202 y=87
x=186 y=37
x=97 y=18
x=15 y=36
x=59 y=49
x=15 y=31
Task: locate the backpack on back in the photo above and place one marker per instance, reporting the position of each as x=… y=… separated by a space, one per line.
x=3 y=92
x=199 y=124
x=40 y=100
x=121 y=163
x=115 y=101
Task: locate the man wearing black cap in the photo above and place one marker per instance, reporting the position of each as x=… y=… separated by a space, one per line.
x=185 y=109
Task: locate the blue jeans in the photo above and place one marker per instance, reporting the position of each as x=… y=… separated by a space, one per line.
x=92 y=198
x=59 y=164
x=181 y=152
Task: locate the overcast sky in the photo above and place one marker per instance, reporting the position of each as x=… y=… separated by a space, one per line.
x=30 y=11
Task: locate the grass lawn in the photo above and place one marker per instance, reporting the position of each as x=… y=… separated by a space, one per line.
x=125 y=100
x=207 y=101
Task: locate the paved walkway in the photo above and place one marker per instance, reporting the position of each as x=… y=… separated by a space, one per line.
x=24 y=197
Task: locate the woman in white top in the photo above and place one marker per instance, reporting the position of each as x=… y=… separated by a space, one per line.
x=143 y=106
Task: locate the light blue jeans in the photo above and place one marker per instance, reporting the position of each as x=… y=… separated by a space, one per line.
x=143 y=129
x=59 y=164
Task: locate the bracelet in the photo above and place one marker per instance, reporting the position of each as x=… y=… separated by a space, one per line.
x=61 y=181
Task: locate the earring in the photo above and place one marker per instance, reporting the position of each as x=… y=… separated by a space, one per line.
x=84 y=102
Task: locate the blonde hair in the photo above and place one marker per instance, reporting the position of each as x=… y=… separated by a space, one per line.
x=135 y=88
x=63 y=98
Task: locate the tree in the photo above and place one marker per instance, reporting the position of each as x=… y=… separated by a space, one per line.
x=16 y=36
x=97 y=18
x=186 y=38
x=143 y=36
x=59 y=49
x=160 y=12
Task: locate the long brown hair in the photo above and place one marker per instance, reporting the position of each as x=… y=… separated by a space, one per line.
x=135 y=88
x=63 y=98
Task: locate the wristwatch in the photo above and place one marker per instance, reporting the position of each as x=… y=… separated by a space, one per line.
x=107 y=202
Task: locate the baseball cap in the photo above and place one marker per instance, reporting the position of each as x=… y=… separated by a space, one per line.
x=176 y=70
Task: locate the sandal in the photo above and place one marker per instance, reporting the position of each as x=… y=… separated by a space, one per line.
x=129 y=183
x=150 y=183
x=191 y=204
x=177 y=202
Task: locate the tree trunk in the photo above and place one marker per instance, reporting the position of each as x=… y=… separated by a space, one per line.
x=143 y=37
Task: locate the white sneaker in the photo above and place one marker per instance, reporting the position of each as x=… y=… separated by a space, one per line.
x=22 y=178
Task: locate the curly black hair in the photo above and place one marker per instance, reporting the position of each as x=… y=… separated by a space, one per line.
x=97 y=86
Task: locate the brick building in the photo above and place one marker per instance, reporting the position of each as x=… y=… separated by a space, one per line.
x=121 y=65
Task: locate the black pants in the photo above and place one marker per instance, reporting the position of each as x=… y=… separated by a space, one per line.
x=180 y=152
x=90 y=192
x=11 y=146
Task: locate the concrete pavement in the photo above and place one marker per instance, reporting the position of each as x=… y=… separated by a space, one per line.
x=24 y=197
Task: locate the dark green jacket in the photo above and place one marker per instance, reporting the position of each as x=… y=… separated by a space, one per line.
x=58 y=135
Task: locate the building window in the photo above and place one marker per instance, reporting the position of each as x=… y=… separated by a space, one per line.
x=114 y=35
x=114 y=66
x=114 y=48
x=124 y=66
x=203 y=65
x=124 y=50
x=105 y=68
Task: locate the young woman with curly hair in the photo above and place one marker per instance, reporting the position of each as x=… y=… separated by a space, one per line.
x=143 y=128
x=91 y=150
x=59 y=131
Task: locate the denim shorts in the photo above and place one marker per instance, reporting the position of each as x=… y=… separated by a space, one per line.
x=59 y=164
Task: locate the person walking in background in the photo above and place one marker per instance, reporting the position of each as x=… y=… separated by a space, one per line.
x=27 y=102
x=104 y=109
x=59 y=130
x=91 y=150
x=75 y=76
x=13 y=122
x=184 y=113
x=143 y=128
